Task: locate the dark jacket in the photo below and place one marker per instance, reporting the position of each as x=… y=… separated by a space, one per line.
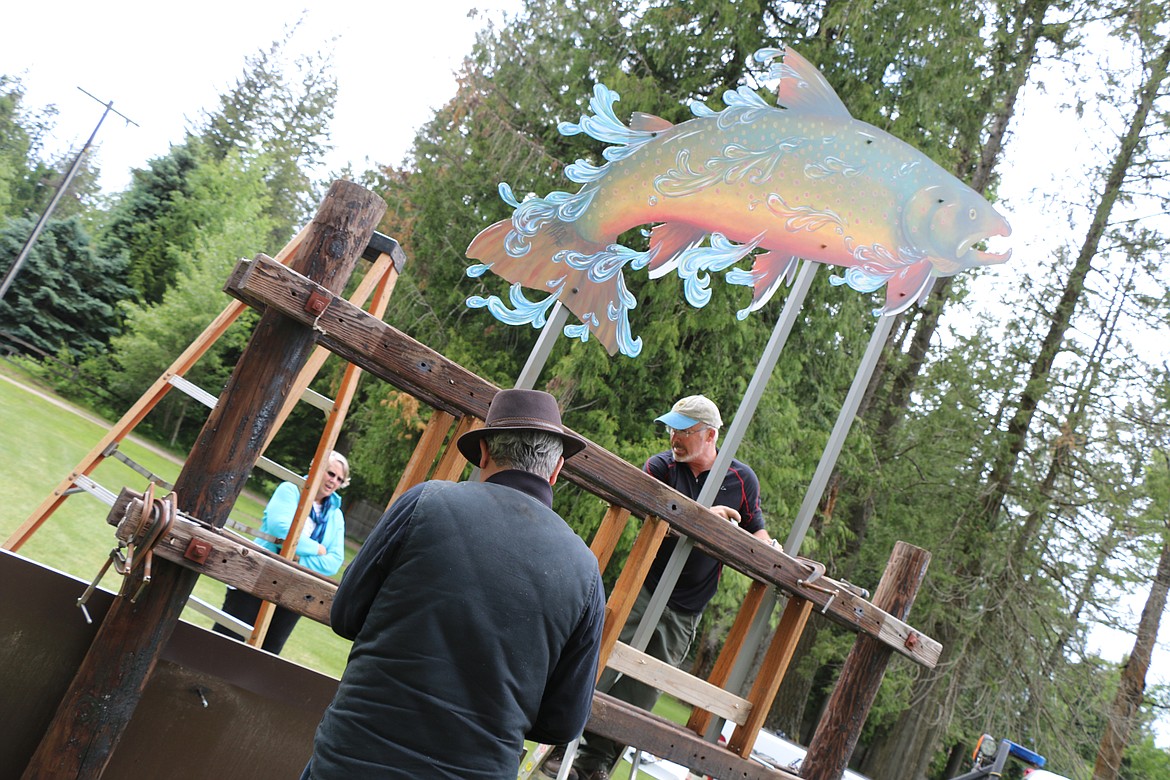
x=476 y=614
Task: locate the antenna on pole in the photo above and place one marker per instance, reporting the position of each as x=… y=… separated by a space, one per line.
x=28 y=244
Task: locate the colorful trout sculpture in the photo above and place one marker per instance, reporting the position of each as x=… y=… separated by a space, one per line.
x=803 y=181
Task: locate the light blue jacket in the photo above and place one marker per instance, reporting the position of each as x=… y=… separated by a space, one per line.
x=278 y=517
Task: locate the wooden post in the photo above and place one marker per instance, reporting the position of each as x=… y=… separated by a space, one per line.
x=424 y=453
x=609 y=533
x=629 y=583
x=772 y=670
x=721 y=671
x=100 y=701
x=837 y=733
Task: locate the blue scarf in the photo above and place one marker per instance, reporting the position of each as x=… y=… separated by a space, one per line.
x=319 y=516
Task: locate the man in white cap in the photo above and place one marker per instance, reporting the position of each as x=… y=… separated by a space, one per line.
x=693 y=425
x=476 y=615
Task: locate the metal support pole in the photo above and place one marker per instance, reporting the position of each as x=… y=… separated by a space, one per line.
x=44 y=218
x=731 y=441
x=812 y=497
x=837 y=438
x=543 y=347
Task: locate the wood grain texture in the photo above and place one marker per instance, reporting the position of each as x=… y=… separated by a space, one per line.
x=608 y=534
x=679 y=684
x=775 y=664
x=424 y=454
x=629 y=582
x=97 y=707
x=865 y=666
x=238 y=562
x=629 y=725
x=732 y=644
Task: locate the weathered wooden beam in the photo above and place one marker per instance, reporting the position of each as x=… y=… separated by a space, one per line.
x=402 y=361
x=629 y=725
x=865 y=666
x=234 y=561
x=97 y=707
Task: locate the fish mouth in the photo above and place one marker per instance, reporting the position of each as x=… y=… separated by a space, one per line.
x=967 y=250
x=992 y=258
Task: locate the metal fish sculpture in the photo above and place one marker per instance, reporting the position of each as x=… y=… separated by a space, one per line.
x=803 y=181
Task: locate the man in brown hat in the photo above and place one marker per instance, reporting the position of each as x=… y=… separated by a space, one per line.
x=476 y=615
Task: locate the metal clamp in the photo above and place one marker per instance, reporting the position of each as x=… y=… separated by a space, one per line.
x=148 y=520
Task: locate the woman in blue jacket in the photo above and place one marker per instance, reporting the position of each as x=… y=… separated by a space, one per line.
x=320 y=548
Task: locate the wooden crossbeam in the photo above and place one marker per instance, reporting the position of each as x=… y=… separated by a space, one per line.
x=235 y=561
x=685 y=687
x=405 y=363
x=629 y=725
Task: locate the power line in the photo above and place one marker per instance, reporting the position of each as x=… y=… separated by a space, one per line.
x=28 y=244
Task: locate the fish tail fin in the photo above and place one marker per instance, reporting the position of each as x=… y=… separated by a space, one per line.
x=488 y=245
x=520 y=255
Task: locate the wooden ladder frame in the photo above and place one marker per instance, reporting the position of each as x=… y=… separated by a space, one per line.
x=387 y=260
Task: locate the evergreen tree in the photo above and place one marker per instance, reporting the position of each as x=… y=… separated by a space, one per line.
x=277 y=118
x=228 y=202
x=142 y=228
x=274 y=122
x=65 y=298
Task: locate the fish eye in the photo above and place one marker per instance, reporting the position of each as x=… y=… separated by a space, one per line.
x=972 y=214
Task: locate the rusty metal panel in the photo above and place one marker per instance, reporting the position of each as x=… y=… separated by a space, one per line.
x=212 y=707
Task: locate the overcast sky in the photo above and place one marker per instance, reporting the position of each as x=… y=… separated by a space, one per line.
x=162 y=65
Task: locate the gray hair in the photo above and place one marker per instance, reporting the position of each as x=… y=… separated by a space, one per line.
x=536 y=452
x=334 y=455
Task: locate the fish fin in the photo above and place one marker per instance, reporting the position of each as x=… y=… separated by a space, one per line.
x=802 y=87
x=910 y=284
x=648 y=123
x=535 y=269
x=667 y=242
x=769 y=269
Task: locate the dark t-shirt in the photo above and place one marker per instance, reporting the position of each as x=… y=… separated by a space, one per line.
x=700 y=574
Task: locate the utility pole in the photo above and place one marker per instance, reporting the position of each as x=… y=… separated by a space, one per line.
x=24 y=252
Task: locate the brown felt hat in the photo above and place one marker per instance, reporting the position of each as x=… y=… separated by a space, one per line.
x=521 y=410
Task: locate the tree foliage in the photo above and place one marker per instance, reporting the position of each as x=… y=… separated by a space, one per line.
x=228 y=202
x=65 y=298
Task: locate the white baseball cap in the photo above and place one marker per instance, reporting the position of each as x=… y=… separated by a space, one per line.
x=692 y=410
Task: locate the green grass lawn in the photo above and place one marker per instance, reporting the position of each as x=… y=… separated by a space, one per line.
x=41 y=444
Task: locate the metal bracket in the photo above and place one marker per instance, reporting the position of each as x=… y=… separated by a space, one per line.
x=197 y=551
x=317 y=303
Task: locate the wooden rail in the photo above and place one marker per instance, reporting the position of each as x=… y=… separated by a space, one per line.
x=391 y=355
